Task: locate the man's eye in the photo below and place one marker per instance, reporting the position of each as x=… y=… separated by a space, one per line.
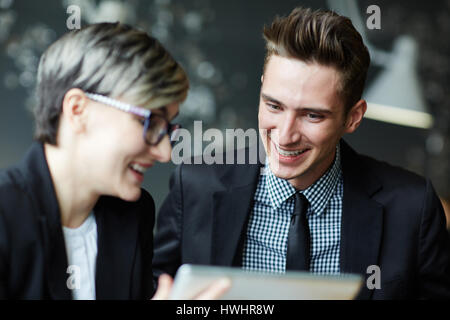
x=314 y=116
x=272 y=106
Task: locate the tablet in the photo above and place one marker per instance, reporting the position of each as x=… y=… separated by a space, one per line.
x=190 y=280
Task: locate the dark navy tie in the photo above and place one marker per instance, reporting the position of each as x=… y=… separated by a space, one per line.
x=298 y=255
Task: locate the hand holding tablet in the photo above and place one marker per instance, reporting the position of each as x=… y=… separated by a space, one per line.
x=212 y=291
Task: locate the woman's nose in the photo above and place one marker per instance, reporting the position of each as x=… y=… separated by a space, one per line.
x=162 y=151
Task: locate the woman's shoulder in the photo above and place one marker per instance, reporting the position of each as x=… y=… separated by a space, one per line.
x=17 y=211
x=10 y=182
x=22 y=174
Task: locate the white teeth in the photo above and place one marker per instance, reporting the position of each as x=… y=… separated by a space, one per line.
x=289 y=153
x=138 y=168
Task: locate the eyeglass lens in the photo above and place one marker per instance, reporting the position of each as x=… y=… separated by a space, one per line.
x=158 y=128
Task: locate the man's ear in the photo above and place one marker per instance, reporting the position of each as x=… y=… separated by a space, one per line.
x=262 y=78
x=74 y=109
x=355 y=116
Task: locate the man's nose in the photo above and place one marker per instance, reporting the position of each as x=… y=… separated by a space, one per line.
x=289 y=130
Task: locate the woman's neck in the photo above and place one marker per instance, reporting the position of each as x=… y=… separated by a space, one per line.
x=73 y=192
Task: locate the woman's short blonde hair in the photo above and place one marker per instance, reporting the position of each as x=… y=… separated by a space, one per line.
x=110 y=59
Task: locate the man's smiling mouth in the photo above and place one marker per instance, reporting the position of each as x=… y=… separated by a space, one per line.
x=290 y=153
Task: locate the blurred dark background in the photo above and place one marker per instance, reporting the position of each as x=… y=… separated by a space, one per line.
x=221 y=47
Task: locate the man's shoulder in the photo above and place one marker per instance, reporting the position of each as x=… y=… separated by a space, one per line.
x=391 y=174
x=371 y=169
x=395 y=182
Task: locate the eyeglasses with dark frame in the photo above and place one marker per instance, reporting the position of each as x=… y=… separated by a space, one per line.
x=155 y=126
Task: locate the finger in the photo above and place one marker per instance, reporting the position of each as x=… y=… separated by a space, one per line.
x=165 y=283
x=215 y=290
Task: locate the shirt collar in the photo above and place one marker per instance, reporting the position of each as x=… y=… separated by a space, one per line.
x=318 y=194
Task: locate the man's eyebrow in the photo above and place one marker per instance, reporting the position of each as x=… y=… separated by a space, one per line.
x=317 y=109
x=269 y=98
x=310 y=109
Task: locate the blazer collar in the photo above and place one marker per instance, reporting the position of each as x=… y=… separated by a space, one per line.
x=117 y=240
x=231 y=208
x=362 y=217
x=36 y=181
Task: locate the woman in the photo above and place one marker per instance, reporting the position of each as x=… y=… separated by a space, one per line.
x=74 y=221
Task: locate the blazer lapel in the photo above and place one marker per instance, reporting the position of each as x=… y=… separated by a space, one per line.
x=231 y=210
x=57 y=266
x=117 y=240
x=37 y=182
x=362 y=218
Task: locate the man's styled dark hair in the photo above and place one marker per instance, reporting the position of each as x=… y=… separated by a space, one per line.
x=325 y=38
x=111 y=59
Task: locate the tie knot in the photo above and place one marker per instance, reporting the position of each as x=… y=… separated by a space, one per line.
x=301 y=204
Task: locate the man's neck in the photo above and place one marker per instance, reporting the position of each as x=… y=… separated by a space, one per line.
x=305 y=181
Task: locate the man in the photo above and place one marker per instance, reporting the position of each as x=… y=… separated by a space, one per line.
x=318 y=205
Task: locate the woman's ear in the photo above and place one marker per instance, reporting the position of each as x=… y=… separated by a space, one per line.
x=355 y=116
x=74 y=109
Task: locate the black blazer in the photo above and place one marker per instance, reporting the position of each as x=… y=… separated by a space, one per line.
x=391 y=218
x=33 y=261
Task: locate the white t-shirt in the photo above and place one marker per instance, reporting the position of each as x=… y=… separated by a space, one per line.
x=81 y=248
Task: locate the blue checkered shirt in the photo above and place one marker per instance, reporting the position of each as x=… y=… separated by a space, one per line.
x=265 y=246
